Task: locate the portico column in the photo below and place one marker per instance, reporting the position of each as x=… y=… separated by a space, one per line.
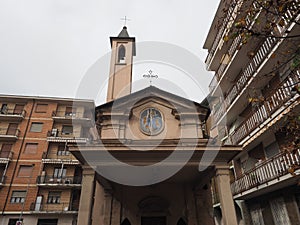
x=86 y=197
x=99 y=205
x=225 y=195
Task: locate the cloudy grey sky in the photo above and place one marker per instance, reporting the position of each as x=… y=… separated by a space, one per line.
x=48 y=46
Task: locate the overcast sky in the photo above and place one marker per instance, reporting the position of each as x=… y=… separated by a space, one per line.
x=47 y=46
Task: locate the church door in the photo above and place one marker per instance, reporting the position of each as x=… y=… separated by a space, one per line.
x=154 y=220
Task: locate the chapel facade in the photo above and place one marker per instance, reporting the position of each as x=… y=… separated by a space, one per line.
x=143 y=166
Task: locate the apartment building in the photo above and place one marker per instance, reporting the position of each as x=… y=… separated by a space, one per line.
x=40 y=179
x=254 y=96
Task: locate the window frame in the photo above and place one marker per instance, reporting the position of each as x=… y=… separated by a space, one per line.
x=25 y=166
x=54 y=197
x=18 y=199
x=67 y=127
x=36 y=130
x=30 y=153
x=37 y=110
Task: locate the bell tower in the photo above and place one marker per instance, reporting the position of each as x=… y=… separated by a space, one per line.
x=120 y=75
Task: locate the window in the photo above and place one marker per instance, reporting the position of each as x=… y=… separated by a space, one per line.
x=70 y=111
x=41 y=108
x=121 y=54
x=54 y=197
x=18 y=109
x=63 y=150
x=48 y=222
x=36 y=127
x=14 y=221
x=18 y=197
x=12 y=129
x=31 y=148
x=66 y=129
x=59 y=172
x=25 y=171
x=4 y=109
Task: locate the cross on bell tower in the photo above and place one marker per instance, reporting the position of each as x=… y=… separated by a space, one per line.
x=125 y=20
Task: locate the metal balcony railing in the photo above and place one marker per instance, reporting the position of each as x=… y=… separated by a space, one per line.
x=13 y=112
x=64 y=157
x=69 y=115
x=277 y=99
x=61 y=207
x=72 y=136
x=273 y=168
x=50 y=180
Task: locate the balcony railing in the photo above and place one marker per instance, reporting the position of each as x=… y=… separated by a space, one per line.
x=246 y=74
x=63 y=207
x=255 y=62
x=59 y=181
x=276 y=100
x=9 y=133
x=12 y=114
x=69 y=115
x=65 y=157
x=56 y=135
x=273 y=168
x=290 y=15
x=5 y=156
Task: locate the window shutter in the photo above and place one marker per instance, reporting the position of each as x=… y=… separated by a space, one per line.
x=25 y=171
x=41 y=108
x=31 y=148
x=36 y=127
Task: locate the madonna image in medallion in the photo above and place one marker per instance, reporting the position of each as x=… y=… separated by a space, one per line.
x=151 y=122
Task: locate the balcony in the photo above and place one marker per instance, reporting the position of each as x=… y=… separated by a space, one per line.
x=7 y=134
x=277 y=101
x=284 y=22
x=55 y=135
x=57 y=208
x=66 y=159
x=12 y=115
x=253 y=68
x=245 y=76
x=63 y=182
x=274 y=171
x=220 y=34
x=5 y=157
x=71 y=117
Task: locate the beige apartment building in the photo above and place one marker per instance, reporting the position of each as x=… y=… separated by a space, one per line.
x=255 y=104
x=40 y=179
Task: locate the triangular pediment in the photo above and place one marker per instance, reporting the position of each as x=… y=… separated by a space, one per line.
x=151 y=114
x=152 y=94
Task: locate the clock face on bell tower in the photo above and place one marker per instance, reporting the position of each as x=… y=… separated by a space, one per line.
x=151 y=121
